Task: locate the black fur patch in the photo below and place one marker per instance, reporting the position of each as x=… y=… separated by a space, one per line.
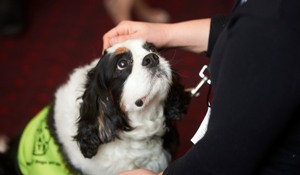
x=176 y=106
x=178 y=100
x=101 y=101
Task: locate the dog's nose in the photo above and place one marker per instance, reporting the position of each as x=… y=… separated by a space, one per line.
x=150 y=60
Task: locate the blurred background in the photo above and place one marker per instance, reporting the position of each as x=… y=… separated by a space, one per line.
x=43 y=41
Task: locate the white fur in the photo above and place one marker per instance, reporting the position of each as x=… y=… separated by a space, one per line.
x=140 y=148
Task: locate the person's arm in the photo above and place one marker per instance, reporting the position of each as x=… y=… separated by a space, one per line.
x=191 y=35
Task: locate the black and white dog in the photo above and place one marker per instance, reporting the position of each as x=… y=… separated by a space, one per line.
x=112 y=115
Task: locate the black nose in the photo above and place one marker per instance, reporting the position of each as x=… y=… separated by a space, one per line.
x=150 y=60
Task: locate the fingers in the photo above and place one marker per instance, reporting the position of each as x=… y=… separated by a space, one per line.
x=151 y=32
x=110 y=41
x=138 y=172
x=123 y=31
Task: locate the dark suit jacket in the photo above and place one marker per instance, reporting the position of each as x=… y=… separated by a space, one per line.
x=254 y=127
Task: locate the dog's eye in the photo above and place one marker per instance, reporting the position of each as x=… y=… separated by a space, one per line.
x=122 y=64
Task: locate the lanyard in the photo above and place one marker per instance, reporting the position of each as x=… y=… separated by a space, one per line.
x=204 y=79
x=195 y=93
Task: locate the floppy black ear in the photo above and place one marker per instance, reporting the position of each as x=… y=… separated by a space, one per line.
x=88 y=133
x=175 y=108
x=177 y=101
x=100 y=117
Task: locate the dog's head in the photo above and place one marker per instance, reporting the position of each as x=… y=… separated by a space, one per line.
x=129 y=77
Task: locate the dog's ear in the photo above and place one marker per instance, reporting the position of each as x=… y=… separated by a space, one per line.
x=87 y=132
x=177 y=101
x=100 y=117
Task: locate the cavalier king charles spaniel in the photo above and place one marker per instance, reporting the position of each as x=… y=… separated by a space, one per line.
x=112 y=115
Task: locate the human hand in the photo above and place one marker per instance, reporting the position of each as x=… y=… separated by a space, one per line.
x=190 y=35
x=156 y=33
x=139 y=172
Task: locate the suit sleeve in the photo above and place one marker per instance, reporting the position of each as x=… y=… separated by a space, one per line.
x=216 y=27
